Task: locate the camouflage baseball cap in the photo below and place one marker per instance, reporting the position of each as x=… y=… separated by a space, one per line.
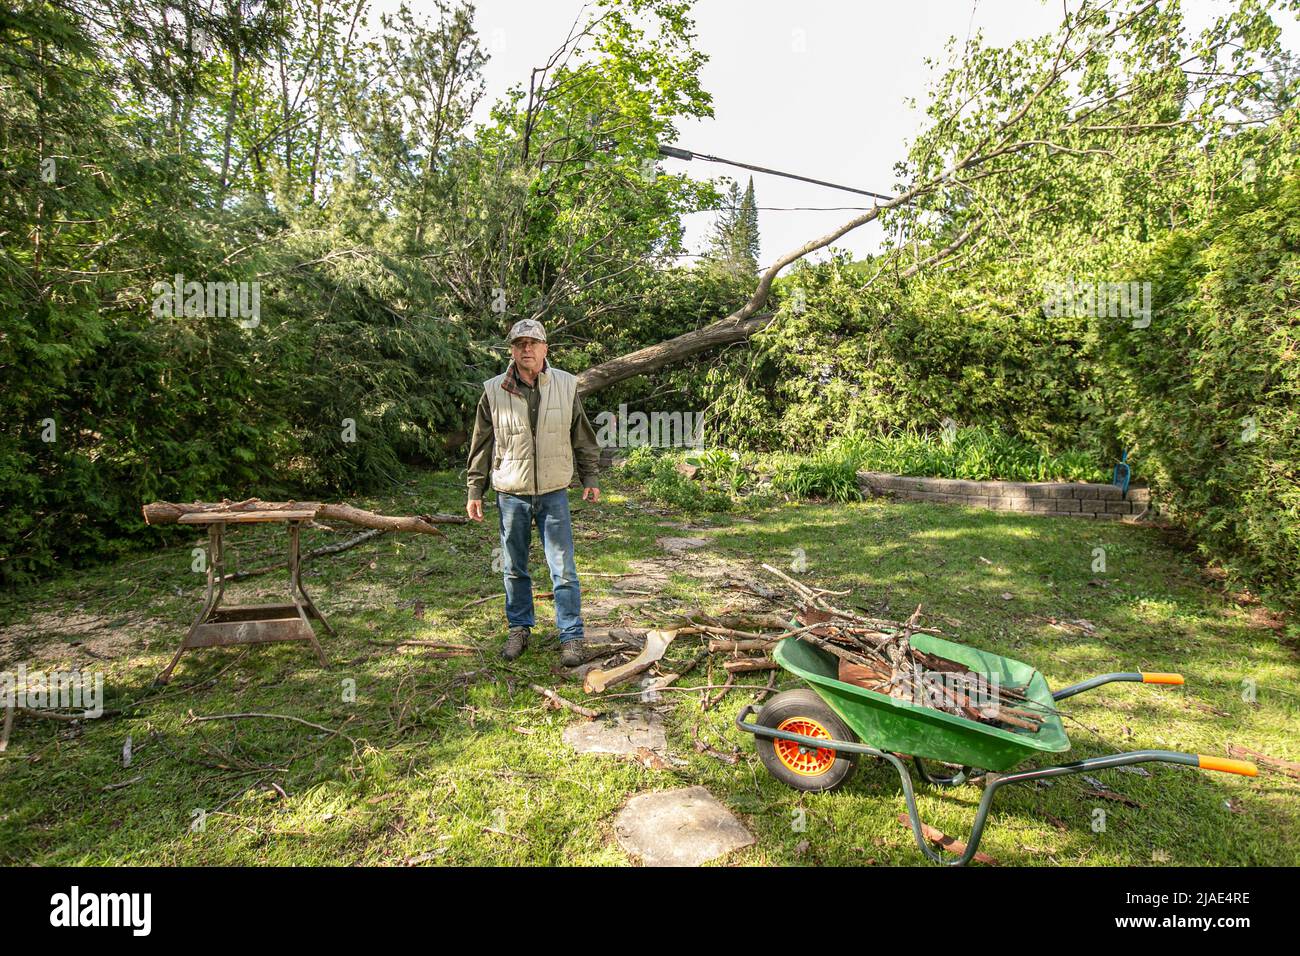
x=529 y=328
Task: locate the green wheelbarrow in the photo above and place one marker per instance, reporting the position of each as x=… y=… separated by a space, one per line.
x=809 y=739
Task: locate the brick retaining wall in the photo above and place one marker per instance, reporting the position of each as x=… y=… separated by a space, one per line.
x=1077 y=498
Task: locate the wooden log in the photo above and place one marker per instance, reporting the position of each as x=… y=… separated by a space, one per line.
x=992 y=713
x=749 y=664
x=745 y=620
x=731 y=633
x=758 y=645
x=168 y=512
x=669 y=679
x=656 y=642
x=868 y=676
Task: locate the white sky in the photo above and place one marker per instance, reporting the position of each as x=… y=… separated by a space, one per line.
x=834 y=109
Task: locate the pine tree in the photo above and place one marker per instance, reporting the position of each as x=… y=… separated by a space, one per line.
x=724 y=228
x=735 y=233
x=747 y=229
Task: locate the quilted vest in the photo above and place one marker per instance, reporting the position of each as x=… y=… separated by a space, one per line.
x=524 y=464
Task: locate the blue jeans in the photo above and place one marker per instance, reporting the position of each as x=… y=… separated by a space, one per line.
x=551 y=513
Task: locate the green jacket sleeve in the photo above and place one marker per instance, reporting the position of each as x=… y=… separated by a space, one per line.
x=586 y=451
x=479 y=470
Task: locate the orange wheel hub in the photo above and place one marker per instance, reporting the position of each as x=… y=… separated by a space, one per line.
x=798 y=758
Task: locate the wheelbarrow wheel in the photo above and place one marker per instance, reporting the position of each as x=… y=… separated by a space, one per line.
x=803 y=768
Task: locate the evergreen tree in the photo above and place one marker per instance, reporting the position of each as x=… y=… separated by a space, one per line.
x=747 y=228
x=735 y=233
x=724 y=227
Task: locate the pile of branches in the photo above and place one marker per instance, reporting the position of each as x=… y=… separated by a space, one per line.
x=873 y=653
x=877 y=654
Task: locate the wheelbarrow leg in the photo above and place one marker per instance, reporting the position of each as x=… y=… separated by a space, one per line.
x=955 y=780
x=995 y=781
x=977 y=831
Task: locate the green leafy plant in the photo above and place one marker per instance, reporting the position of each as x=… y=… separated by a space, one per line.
x=973 y=453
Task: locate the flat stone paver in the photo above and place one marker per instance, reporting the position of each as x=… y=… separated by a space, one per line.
x=683 y=827
x=619 y=734
x=678 y=545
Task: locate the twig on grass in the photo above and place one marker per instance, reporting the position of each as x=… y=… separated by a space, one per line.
x=708 y=703
x=260 y=781
x=731 y=759
x=557 y=702
x=191 y=718
x=680 y=690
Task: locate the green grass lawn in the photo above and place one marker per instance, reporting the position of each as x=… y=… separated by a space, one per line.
x=435 y=755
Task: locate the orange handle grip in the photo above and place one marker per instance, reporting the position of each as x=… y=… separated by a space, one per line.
x=1224 y=765
x=1149 y=678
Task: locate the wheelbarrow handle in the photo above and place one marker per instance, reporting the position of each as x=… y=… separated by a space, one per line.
x=1144 y=677
x=995 y=781
x=1226 y=765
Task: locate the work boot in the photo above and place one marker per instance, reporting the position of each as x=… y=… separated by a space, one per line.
x=573 y=653
x=516 y=643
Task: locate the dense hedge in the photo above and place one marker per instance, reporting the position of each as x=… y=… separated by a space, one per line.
x=1209 y=394
x=840 y=360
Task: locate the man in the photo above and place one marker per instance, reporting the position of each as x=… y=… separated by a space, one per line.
x=529 y=434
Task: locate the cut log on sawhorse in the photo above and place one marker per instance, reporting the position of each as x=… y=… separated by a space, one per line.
x=218 y=626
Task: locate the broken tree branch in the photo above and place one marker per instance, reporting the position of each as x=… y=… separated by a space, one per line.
x=167 y=512
x=557 y=701
x=656 y=643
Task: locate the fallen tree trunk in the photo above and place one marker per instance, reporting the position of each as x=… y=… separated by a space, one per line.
x=167 y=512
x=1020 y=133
x=737 y=327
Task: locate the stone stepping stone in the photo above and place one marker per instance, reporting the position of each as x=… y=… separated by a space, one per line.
x=683 y=827
x=599 y=608
x=624 y=733
x=678 y=545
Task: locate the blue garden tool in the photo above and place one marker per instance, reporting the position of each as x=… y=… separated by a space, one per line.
x=1121 y=475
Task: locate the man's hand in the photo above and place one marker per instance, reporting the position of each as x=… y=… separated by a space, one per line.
x=475 y=509
x=590 y=494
